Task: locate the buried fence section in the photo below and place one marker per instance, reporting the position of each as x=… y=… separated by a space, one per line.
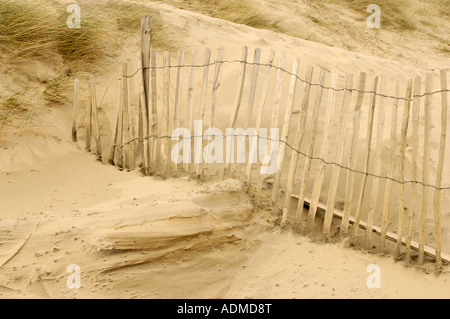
x=350 y=152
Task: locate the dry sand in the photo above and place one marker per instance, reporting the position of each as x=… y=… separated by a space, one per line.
x=140 y=237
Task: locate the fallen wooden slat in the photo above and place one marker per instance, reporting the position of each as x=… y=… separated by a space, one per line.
x=428 y=251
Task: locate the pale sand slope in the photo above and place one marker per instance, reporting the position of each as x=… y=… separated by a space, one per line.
x=178 y=240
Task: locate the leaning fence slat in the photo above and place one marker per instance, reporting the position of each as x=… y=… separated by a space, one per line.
x=378 y=154
x=426 y=164
x=367 y=159
x=285 y=130
x=325 y=143
x=262 y=103
x=311 y=143
x=391 y=170
x=414 y=155
x=198 y=155
x=437 y=192
x=165 y=162
x=215 y=91
x=353 y=155
x=297 y=143
x=75 y=108
x=236 y=109
x=331 y=199
x=177 y=104
x=190 y=101
x=95 y=118
x=401 y=168
x=152 y=120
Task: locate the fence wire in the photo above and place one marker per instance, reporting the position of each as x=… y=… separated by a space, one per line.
x=300 y=153
x=289 y=73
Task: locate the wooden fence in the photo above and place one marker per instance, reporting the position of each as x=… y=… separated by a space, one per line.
x=354 y=157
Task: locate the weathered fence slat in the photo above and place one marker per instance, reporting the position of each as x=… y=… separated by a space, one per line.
x=251 y=99
x=146 y=37
x=414 y=156
x=331 y=103
x=353 y=155
x=131 y=120
x=285 y=130
x=297 y=143
x=75 y=108
x=262 y=103
x=440 y=169
x=276 y=107
x=391 y=171
x=215 y=91
x=401 y=168
x=95 y=118
x=198 y=155
x=339 y=156
x=152 y=120
x=189 y=103
x=236 y=109
x=89 y=122
x=311 y=143
x=378 y=154
x=426 y=163
x=367 y=159
x=177 y=104
x=165 y=162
